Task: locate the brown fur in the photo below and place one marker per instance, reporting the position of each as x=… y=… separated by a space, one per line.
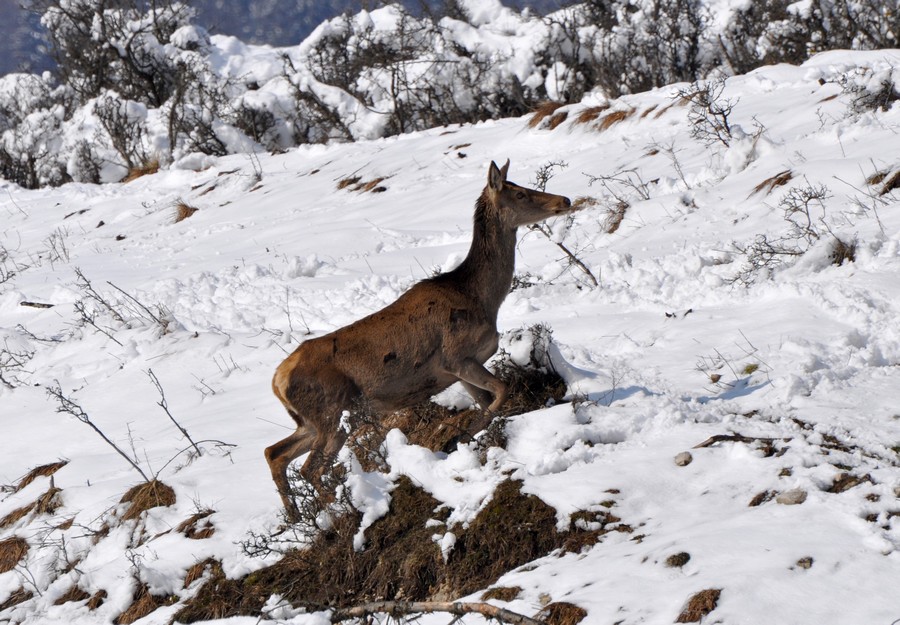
x=440 y=331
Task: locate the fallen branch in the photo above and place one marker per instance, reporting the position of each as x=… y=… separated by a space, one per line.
x=738 y=438
x=407 y=608
x=35 y=304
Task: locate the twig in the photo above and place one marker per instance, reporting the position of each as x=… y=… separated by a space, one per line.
x=162 y=403
x=406 y=608
x=738 y=438
x=68 y=406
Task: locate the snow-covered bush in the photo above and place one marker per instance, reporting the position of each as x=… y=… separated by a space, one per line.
x=152 y=87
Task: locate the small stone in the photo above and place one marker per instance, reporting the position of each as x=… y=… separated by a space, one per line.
x=805 y=563
x=684 y=458
x=791 y=497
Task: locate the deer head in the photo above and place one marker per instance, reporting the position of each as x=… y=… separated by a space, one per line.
x=520 y=206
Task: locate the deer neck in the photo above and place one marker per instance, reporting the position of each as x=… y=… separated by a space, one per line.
x=487 y=271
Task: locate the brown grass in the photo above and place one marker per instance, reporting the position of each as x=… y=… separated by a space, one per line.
x=145 y=169
x=74 y=594
x=778 y=180
x=18 y=596
x=842 y=252
x=142 y=604
x=12 y=551
x=45 y=470
x=649 y=110
x=543 y=110
x=615 y=215
x=197 y=526
x=891 y=184
x=678 y=560
x=145 y=496
x=699 y=606
x=611 y=119
x=183 y=211
x=511 y=530
x=590 y=114
x=400 y=560
x=47 y=503
x=96 y=600
x=343 y=183
x=197 y=571
x=557 y=119
x=561 y=613
x=501 y=593
x=586 y=528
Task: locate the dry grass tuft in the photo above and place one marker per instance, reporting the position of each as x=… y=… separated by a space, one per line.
x=343 y=183
x=699 y=606
x=891 y=184
x=143 y=604
x=96 y=600
x=778 y=180
x=611 y=119
x=183 y=211
x=145 y=496
x=18 y=596
x=842 y=252
x=502 y=593
x=45 y=470
x=562 y=613
x=48 y=503
x=678 y=560
x=649 y=110
x=12 y=550
x=590 y=114
x=74 y=594
x=145 y=169
x=542 y=111
x=615 y=215
x=197 y=571
x=197 y=526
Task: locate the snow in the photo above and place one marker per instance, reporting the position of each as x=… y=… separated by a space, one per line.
x=277 y=253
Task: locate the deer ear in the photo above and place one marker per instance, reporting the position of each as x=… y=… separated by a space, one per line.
x=496 y=177
x=504 y=170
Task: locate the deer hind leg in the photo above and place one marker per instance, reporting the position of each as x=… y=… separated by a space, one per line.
x=321 y=459
x=483 y=386
x=280 y=455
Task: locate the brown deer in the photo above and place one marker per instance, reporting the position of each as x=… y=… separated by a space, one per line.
x=441 y=330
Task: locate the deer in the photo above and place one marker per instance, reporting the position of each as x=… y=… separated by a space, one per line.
x=442 y=330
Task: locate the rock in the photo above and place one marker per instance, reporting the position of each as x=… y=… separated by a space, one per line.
x=684 y=458
x=791 y=497
x=805 y=563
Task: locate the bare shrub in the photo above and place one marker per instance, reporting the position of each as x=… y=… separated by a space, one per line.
x=124 y=126
x=709 y=111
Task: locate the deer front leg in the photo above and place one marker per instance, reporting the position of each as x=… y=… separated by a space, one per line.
x=472 y=373
x=482 y=385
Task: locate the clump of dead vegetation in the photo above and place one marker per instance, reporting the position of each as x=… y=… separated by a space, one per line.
x=562 y=613
x=183 y=210
x=357 y=184
x=145 y=496
x=699 y=605
x=888 y=181
x=144 y=169
x=12 y=551
x=547 y=115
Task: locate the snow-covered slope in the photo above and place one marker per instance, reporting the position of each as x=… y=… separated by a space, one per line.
x=665 y=353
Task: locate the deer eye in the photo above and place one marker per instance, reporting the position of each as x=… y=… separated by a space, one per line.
x=520 y=195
